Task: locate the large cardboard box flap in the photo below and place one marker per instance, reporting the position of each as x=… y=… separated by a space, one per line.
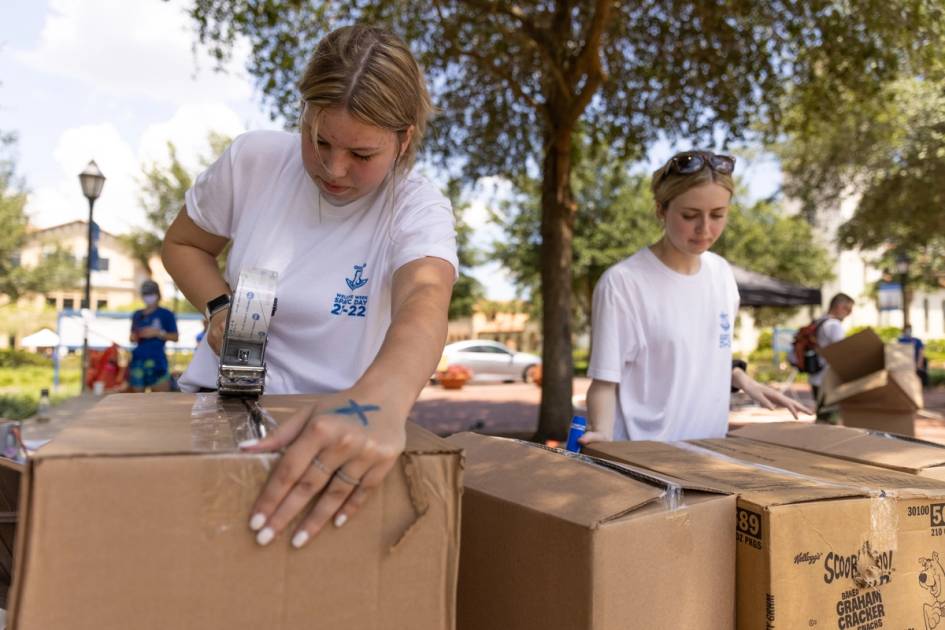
x=136 y=516
x=563 y=542
x=917 y=457
x=873 y=480
x=571 y=491
x=864 y=372
x=764 y=486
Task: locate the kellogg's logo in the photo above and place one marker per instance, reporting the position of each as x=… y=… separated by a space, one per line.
x=808 y=558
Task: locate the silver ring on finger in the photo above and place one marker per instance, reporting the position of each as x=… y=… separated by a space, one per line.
x=317 y=463
x=346 y=478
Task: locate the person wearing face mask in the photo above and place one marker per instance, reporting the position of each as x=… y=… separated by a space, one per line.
x=365 y=251
x=151 y=328
x=664 y=319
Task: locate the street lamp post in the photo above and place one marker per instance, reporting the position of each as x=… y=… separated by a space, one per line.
x=902 y=266
x=92 y=182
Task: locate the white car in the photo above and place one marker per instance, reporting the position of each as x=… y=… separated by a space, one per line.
x=491 y=360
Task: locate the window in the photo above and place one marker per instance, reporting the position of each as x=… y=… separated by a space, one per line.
x=101 y=305
x=68 y=304
x=51 y=301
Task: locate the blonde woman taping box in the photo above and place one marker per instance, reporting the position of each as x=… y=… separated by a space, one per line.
x=366 y=255
x=663 y=319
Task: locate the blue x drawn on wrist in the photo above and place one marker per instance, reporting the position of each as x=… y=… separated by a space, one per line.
x=354 y=409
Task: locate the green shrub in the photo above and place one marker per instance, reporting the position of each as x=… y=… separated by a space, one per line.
x=16 y=358
x=581 y=358
x=936 y=377
x=765 y=340
x=17 y=406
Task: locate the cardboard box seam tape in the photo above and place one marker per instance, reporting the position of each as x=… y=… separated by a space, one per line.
x=884 y=516
x=672 y=491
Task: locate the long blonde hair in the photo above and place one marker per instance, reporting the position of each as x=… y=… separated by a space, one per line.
x=372 y=74
x=666 y=185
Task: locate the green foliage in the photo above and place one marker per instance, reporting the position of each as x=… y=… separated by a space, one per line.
x=619 y=220
x=467 y=291
x=937 y=377
x=11 y=358
x=57 y=270
x=162 y=195
x=765 y=239
x=887 y=149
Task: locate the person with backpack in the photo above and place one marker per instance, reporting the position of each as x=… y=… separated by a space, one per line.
x=828 y=330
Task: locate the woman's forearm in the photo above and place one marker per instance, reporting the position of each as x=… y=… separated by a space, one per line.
x=414 y=342
x=189 y=255
x=602 y=407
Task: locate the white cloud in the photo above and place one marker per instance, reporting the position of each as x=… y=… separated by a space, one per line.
x=63 y=200
x=188 y=129
x=132 y=48
x=118 y=210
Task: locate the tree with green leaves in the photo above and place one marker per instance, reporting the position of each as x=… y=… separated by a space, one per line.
x=467 y=291
x=161 y=196
x=57 y=269
x=887 y=153
x=517 y=81
x=619 y=219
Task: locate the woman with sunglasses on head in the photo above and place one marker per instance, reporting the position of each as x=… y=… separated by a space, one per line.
x=663 y=319
x=365 y=252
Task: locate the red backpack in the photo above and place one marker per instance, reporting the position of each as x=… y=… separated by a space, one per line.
x=803 y=354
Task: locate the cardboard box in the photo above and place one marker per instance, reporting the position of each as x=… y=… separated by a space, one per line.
x=821 y=542
x=875 y=385
x=909 y=455
x=557 y=543
x=136 y=516
x=10 y=479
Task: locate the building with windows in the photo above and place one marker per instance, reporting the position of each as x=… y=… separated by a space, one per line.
x=115 y=280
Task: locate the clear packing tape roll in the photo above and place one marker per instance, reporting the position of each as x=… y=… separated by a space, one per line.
x=242 y=359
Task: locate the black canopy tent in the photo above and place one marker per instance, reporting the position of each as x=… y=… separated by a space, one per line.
x=757 y=289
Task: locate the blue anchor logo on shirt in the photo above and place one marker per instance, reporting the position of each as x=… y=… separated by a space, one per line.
x=357 y=282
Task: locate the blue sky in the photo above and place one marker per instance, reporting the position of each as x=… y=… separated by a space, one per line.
x=115 y=80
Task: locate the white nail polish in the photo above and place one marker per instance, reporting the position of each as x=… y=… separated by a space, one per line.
x=341 y=519
x=265 y=536
x=257 y=521
x=299 y=539
x=248 y=443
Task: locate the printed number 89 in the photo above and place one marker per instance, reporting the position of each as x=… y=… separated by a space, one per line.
x=749 y=523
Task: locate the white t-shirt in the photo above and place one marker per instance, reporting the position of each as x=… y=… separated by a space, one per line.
x=666 y=339
x=831 y=331
x=335 y=264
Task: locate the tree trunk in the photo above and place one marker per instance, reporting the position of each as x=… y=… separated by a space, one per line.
x=557 y=227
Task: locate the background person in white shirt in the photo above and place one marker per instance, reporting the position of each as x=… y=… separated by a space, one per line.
x=366 y=256
x=829 y=331
x=663 y=319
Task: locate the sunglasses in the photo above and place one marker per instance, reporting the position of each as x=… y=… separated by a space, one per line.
x=695 y=161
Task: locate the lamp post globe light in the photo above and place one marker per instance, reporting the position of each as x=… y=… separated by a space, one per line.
x=92 y=182
x=902 y=267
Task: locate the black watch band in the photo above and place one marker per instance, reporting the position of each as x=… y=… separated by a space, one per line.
x=741 y=365
x=216 y=305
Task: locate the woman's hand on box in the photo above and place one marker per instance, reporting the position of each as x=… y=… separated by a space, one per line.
x=766 y=396
x=336 y=451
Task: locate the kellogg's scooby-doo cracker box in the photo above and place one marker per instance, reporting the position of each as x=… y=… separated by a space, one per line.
x=820 y=542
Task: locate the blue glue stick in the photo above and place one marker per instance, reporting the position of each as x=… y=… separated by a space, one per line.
x=578 y=427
